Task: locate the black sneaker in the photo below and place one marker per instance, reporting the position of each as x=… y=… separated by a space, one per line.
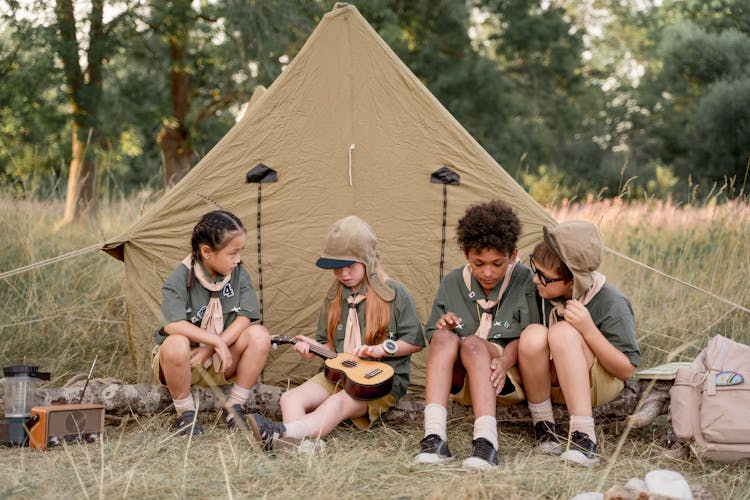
x=545 y=439
x=581 y=451
x=433 y=450
x=483 y=455
x=266 y=431
x=234 y=416
x=188 y=424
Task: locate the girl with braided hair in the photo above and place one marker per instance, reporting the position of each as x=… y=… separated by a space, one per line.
x=206 y=336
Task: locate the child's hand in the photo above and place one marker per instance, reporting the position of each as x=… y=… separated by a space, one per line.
x=578 y=316
x=303 y=346
x=448 y=320
x=225 y=356
x=369 y=351
x=200 y=354
x=498 y=374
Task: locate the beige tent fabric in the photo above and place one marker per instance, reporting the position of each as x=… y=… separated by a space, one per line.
x=345 y=94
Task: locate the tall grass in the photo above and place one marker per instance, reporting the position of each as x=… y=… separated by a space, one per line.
x=61 y=316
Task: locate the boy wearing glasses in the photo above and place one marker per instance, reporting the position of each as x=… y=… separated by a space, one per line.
x=480 y=310
x=586 y=347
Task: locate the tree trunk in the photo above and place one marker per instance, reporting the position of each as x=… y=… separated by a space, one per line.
x=145 y=399
x=174 y=137
x=176 y=154
x=81 y=195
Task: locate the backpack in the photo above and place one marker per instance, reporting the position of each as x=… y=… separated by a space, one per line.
x=710 y=402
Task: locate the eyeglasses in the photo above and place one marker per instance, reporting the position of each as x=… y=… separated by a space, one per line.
x=542 y=278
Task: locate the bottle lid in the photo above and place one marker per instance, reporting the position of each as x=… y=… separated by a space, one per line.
x=31 y=371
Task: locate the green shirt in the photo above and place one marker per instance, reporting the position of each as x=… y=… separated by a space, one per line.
x=517 y=309
x=613 y=316
x=404 y=325
x=237 y=298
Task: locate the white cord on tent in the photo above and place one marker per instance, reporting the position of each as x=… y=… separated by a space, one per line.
x=678 y=280
x=51 y=260
x=350 y=162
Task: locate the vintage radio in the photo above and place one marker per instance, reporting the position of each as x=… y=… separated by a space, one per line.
x=49 y=426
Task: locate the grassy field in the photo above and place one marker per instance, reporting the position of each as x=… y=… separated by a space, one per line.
x=62 y=315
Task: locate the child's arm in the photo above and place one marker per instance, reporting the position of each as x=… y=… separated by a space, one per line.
x=611 y=358
x=376 y=351
x=197 y=334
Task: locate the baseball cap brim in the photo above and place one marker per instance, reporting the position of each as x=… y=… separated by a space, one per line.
x=326 y=263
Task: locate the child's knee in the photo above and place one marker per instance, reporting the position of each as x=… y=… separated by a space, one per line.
x=258 y=338
x=175 y=349
x=533 y=340
x=472 y=347
x=444 y=339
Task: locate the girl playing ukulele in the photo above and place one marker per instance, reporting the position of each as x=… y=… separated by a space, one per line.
x=364 y=313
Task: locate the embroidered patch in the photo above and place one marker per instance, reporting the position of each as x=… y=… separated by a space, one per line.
x=472 y=294
x=201 y=312
x=391 y=335
x=460 y=326
x=228 y=291
x=340 y=327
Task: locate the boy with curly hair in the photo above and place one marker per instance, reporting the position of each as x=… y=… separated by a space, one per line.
x=480 y=310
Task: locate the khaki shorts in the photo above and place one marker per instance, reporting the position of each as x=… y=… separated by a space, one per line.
x=198 y=375
x=375 y=408
x=463 y=397
x=603 y=386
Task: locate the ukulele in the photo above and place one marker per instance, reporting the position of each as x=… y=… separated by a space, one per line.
x=361 y=379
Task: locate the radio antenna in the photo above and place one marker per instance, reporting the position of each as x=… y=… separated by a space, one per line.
x=87 y=379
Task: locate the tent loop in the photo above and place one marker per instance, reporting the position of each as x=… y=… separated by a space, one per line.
x=444 y=176
x=260 y=174
x=351 y=147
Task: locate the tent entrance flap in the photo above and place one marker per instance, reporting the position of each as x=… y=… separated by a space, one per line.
x=444 y=176
x=260 y=174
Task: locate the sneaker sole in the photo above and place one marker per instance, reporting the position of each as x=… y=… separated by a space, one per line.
x=431 y=458
x=477 y=463
x=255 y=430
x=554 y=449
x=578 y=458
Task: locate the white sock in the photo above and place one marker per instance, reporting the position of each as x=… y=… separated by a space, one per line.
x=486 y=427
x=183 y=405
x=296 y=430
x=237 y=396
x=583 y=424
x=435 y=420
x=541 y=412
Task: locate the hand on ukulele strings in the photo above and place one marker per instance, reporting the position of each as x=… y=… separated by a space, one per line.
x=448 y=320
x=369 y=351
x=303 y=344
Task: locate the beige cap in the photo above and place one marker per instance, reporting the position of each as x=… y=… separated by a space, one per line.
x=578 y=244
x=352 y=240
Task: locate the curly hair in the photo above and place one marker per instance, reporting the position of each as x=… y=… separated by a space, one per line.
x=489 y=225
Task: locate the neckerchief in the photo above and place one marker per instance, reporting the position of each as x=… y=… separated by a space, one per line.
x=213 y=317
x=558 y=309
x=353 y=335
x=487 y=307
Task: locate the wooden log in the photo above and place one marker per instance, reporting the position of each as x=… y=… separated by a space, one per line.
x=121 y=399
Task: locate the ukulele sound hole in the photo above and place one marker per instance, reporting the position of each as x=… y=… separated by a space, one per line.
x=349 y=363
x=376 y=371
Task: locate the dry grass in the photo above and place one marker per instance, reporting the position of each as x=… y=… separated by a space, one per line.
x=72 y=304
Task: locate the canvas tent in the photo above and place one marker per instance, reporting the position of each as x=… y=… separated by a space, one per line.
x=345 y=129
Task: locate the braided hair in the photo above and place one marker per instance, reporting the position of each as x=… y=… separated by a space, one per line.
x=214 y=229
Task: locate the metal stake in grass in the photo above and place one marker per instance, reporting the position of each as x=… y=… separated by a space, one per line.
x=86 y=384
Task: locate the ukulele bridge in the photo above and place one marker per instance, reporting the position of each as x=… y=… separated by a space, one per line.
x=373 y=373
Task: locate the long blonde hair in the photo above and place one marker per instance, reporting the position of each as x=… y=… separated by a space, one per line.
x=377 y=314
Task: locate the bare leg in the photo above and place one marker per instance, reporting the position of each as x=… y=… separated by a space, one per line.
x=334 y=410
x=476 y=356
x=174 y=362
x=296 y=403
x=534 y=363
x=249 y=352
x=444 y=348
x=573 y=362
